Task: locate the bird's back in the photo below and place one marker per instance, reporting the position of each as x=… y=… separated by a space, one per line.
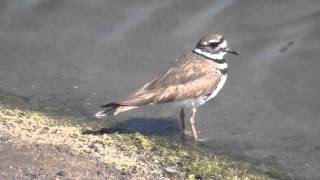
x=190 y=76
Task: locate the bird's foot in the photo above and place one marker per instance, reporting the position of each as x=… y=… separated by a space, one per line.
x=189 y=133
x=201 y=139
x=100 y=114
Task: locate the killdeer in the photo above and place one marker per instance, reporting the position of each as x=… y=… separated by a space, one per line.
x=192 y=80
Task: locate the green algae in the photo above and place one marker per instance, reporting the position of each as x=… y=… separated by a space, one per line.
x=194 y=164
x=151 y=155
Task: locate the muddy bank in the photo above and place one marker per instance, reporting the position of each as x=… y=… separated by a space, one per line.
x=41 y=161
x=41 y=145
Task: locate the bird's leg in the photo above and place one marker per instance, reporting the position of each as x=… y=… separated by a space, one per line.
x=192 y=121
x=182 y=125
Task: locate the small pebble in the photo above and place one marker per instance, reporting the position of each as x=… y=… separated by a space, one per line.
x=172 y=170
x=32 y=175
x=61 y=173
x=123 y=173
x=97 y=147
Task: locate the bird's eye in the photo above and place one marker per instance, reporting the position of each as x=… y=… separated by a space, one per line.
x=214 y=44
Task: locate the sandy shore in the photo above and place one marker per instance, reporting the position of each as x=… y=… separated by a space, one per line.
x=40 y=161
x=37 y=145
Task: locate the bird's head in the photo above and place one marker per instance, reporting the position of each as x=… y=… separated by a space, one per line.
x=214 y=45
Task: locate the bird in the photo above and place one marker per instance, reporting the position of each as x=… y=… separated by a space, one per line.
x=190 y=81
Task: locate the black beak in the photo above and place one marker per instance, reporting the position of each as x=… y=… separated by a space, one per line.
x=230 y=51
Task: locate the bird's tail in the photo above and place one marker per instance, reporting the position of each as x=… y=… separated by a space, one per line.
x=113 y=109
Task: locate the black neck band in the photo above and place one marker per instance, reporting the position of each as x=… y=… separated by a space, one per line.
x=223 y=71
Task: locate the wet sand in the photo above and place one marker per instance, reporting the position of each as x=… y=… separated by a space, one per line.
x=70 y=57
x=43 y=162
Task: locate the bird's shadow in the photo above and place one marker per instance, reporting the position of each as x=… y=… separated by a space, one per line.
x=145 y=126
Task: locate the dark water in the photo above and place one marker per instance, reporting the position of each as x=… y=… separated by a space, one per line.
x=72 y=56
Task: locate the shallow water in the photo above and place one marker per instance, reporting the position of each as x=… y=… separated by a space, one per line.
x=70 y=57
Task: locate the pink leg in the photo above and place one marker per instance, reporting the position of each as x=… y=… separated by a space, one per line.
x=192 y=121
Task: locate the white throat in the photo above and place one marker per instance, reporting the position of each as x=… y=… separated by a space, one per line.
x=218 y=56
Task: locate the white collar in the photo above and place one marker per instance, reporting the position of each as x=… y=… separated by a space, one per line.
x=218 y=56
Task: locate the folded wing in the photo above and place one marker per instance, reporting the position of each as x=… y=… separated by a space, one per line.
x=189 y=77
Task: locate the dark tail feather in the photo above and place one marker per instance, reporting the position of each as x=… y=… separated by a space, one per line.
x=110 y=105
x=110 y=110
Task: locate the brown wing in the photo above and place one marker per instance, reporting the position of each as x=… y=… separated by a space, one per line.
x=189 y=77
